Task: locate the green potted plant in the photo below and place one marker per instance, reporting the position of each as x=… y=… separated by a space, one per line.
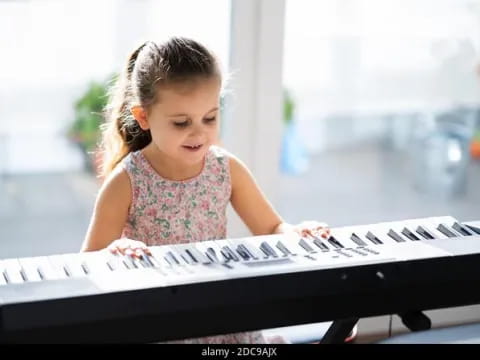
x=85 y=129
x=294 y=158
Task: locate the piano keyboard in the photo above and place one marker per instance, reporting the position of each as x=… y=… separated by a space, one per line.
x=228 y=268
x=252 y=256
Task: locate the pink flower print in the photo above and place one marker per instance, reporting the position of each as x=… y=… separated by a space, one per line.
x=151 y=212
x=204 y=205
x=136 y=192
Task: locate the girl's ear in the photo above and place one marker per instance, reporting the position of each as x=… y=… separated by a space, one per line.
x=141 y=116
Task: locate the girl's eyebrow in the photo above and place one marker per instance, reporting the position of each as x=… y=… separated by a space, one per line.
x=183 y=114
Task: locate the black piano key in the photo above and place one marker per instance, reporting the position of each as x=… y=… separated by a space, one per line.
x=247 y=251
x=23 y=274
x=212 y=255
x=474 y=229
x=250 y=250
x=85 y=268
x=128 y=260
x=424 y=233
x=147 y=260
x=283 y=249
x=153 y=261
x=142 y=261
x=305 y=245
x=320 y=244
x=356 y=239
x=243 y=254
x=395 y=236
x=41 y=273
x=461 y=229
x=185 y=259
x=446 y=231
x=370 y=236
x=410 y=235
x=67 y=270
x=173 y=257
x=267 y=249
x=226 y=255
x=232 y=254
x=332 y=240
x=189 y=253
x=169 y=262
x=5 y=276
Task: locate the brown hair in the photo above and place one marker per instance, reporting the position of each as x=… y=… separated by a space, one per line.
x=149 y=67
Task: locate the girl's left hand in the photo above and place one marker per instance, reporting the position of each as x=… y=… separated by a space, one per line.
x=312 y=228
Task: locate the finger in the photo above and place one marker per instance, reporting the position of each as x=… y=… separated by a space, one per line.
x=113 y=249
x=140 y=252
x=306 y=232
x=128 y=251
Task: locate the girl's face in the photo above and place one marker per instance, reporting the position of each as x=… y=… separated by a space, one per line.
x=184 y=121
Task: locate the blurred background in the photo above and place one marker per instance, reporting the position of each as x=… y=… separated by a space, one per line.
x=376 y=112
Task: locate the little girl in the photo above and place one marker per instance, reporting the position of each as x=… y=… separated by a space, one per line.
x=166 y=182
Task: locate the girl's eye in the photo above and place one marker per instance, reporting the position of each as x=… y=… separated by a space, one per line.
x=212 y=119
x=181 y=124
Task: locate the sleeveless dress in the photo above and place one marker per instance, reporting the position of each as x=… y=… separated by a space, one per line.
x=172 y=212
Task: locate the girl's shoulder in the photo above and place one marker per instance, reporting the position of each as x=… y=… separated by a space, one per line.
x=220 y=155
x=116 y=188
x=219 y=152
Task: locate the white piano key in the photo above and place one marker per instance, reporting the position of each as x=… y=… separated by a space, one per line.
x=115 y=262
x=199 y=246
x=253 y=246
x=30 y=268
x=173 y=254
x=217 y=245
x=414 y=224
x=13 y=271
x=448 y=221
x=198 y=255
x=72 y=263
x=3 y=281
x=291 y=241
x=168 y=266
x=57 y=264
x=220 y=244
x=47 y=269
x=381 y=232
x=180 y=255
x=96 y=261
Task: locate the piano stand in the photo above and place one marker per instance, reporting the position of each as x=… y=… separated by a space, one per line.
x=339 y=331
x=416 y=320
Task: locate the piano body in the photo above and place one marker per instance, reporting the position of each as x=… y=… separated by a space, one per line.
x=230 y=285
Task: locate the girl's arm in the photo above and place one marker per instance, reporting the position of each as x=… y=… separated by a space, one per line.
x=251 y=204
x=110 y=212
x=256 y=211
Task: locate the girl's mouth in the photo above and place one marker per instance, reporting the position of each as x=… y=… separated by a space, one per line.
x=192 y=148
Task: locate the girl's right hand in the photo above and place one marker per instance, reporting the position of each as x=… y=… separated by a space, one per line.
x=129 y=247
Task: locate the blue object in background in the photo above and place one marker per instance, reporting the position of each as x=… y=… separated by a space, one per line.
x=294 y=157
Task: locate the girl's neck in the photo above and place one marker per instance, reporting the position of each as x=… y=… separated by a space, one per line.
x=170 y=168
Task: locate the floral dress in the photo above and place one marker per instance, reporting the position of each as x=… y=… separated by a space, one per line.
x=173 y=212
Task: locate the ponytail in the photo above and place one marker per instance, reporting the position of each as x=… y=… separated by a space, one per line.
x=121 y=128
